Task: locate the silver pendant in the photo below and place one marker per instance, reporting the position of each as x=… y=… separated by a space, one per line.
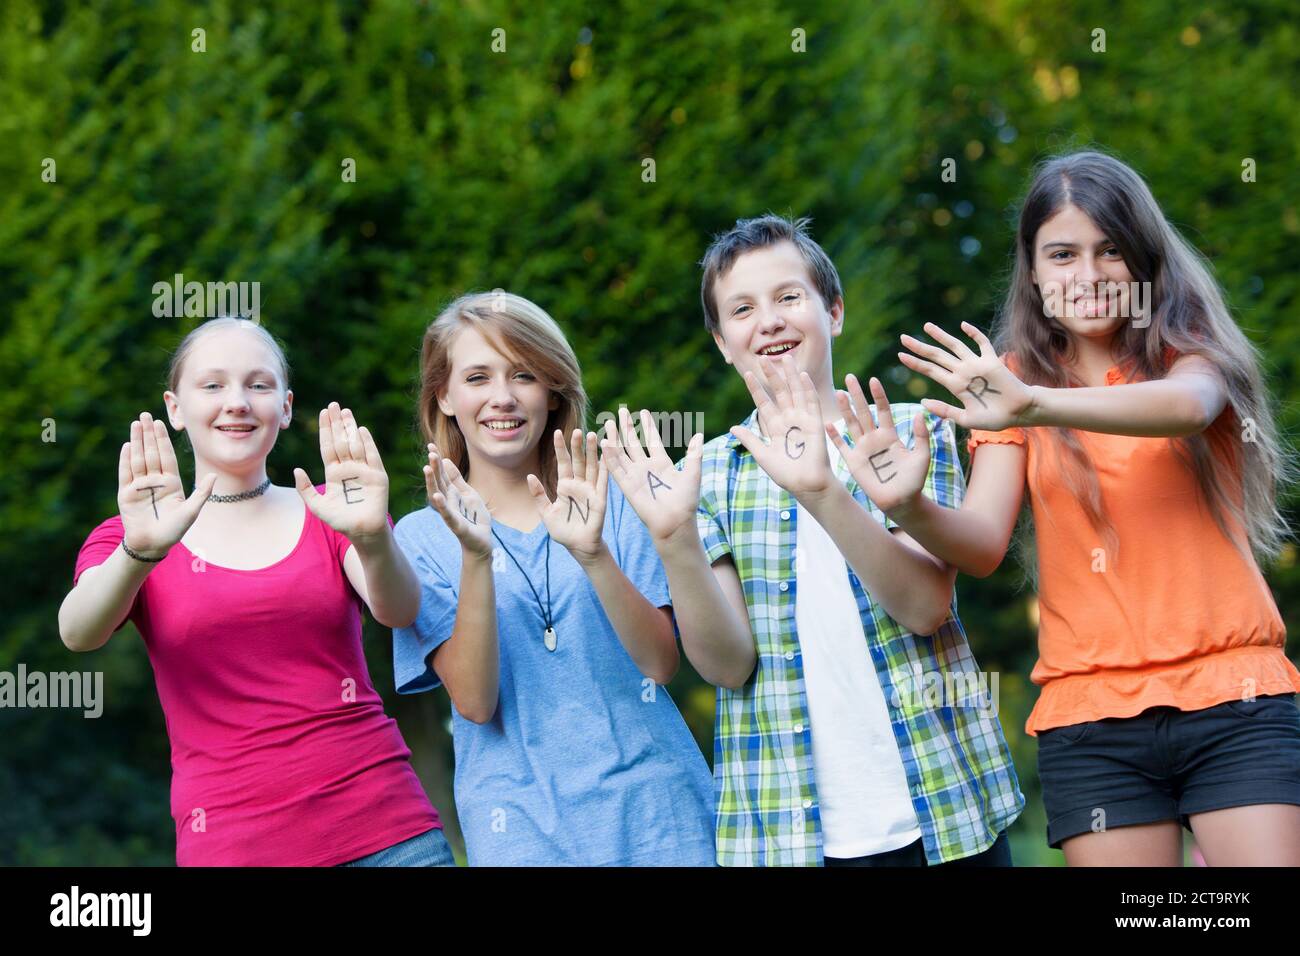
x=549 y=638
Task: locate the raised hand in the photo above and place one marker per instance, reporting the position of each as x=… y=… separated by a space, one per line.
x=889 y=473
x=355 y=502
x=576 y=517
x=459 y=504
x=795 y=455
x=991 y=395
x=150 y=496
x=665 y=499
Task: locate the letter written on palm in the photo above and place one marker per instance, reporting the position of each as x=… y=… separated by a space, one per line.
x=794 y=455
x=888 y=471
x=576 y=518
x=355 y=501
x=150 y=496
x=665 y=499
x=991 y=395
x=461 y=507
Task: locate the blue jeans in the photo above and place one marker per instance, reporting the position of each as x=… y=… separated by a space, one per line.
x=428 y=849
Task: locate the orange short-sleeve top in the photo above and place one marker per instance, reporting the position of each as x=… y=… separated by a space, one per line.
x=1177 y=616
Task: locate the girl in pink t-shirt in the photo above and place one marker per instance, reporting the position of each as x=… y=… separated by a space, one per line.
x=248 y=597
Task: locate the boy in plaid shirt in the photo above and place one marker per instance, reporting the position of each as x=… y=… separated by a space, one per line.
x=850 y=728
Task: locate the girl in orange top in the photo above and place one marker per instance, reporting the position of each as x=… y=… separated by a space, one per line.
x=1151 y=468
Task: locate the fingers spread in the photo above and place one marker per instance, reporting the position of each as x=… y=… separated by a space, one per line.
x=883 y=412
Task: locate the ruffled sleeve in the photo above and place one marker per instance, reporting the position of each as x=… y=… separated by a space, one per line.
x=1008 y=436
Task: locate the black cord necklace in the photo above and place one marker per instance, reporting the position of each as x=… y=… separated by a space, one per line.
x=548 y=637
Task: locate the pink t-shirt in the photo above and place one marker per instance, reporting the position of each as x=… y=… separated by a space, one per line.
x=281 y=752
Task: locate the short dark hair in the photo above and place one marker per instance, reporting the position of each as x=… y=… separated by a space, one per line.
x=758 y=233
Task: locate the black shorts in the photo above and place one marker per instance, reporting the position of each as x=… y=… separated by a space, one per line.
x=1167 y=764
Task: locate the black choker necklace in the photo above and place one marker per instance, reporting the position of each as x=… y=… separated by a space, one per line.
x=243 y=495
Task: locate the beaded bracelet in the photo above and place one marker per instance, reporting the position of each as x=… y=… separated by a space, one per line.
x=138 y=556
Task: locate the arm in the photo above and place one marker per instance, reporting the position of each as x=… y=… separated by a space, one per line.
x=644 y=630
x=355 y=504
x=382 y=576
x=100 y=602
x=708 y=600
x=576 y=519
x=468 y=662
x=155 y=515
x=913 y=587
x=1184 y=402
x=973 y=538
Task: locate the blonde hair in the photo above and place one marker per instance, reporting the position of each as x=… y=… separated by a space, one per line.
x=524 y=333
x=183 y=350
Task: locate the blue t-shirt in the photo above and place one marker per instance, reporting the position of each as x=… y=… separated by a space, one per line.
x=586 y=761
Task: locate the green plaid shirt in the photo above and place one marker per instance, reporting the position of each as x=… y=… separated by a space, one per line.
x=959 y=770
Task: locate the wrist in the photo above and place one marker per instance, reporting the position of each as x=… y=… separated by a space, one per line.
x=685 y=537
x=907 y=509
x=818 y=499
x=372 y=542
x=1033 y=412
x=590 y=558
x=144 y=556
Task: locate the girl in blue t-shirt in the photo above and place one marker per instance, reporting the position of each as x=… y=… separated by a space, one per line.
x=545 y=611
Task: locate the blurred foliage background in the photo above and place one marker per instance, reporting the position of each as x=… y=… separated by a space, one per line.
x=523 y=168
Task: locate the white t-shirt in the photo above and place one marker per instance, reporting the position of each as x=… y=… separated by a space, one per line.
x=866 y=806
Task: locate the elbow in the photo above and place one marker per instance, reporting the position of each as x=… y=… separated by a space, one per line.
x=1196 y=416
x=983 y=567
x=737 y=677
x=478 y=712
x=926 y=624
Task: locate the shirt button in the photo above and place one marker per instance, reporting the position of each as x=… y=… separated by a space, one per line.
x=785 y=516
x=807 y=804
x=789 y=655
x=785 y=586
x=798 y=728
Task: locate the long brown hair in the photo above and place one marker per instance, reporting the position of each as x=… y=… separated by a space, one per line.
x=1238 y=476
x=526 y=334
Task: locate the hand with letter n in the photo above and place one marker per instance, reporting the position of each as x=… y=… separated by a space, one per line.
x=992 y=397
x=576 y=518
x=888 y=471
x=794 y=454
x=355 y=502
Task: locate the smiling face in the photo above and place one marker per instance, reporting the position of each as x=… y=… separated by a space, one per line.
x=499 y=405
x=231 y=400
x=768 y=306
x=1072 y=259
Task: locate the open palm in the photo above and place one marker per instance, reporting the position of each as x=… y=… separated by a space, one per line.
x=355 y=501
x=150 y=496
x=991 y=395
x=889 y=472
x=576 y=518
x=461 y=507
x=795 y=456
x=665 y=499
